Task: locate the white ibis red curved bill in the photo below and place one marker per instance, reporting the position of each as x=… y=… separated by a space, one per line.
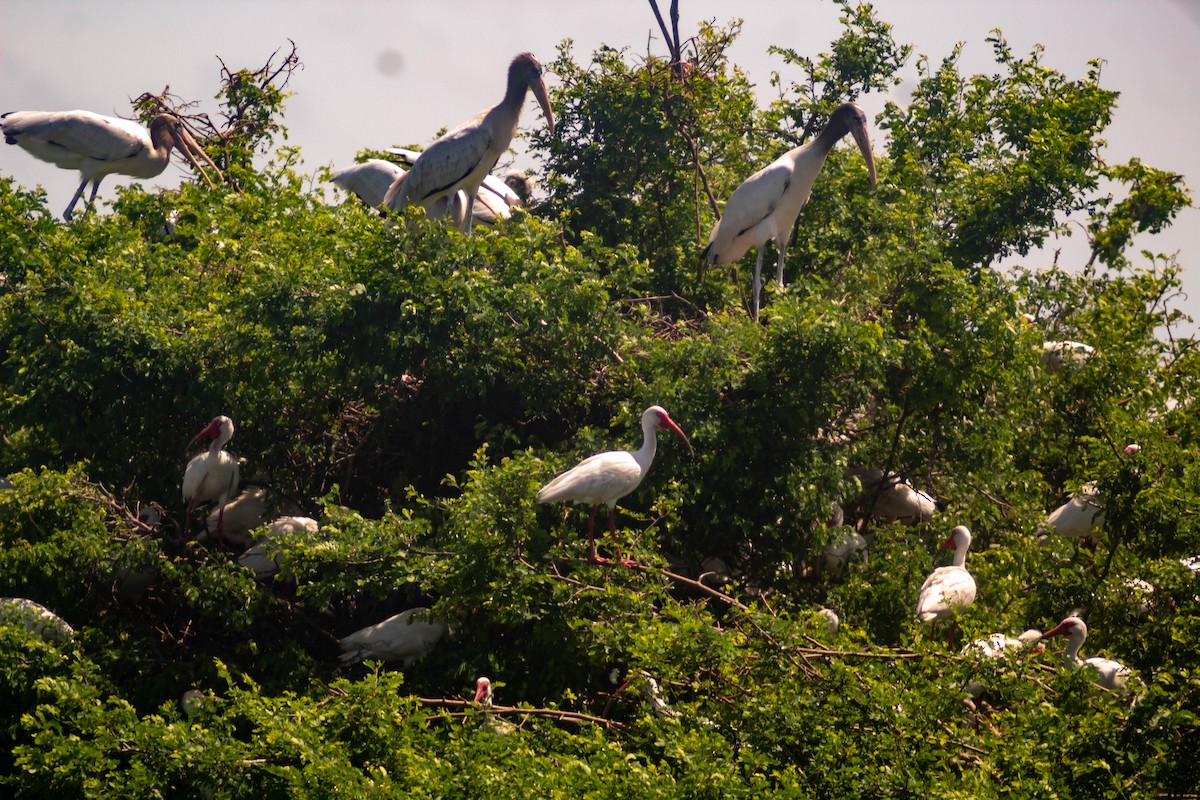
x=765 y=207
x=461 y=158
x=212 y=476
x=404 y=637
x=97 y=145
x=948 y=589
x=605 y=478
x=1108 y=673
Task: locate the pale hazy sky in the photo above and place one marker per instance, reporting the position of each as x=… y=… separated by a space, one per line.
x=392 y=73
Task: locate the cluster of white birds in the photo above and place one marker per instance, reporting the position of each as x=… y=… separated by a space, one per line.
x=451 y=178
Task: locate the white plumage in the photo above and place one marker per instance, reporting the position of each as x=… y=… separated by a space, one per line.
x=887 y=498
x=213 y=476
x=1078 y=517
x=1057 y=354
x=1108 y=673
x=765 y=207
x=256 y=558
x=605 y=478
x=948 y=589
x=370 y=182
x=97 y=145
x=36 y=619
x=461 y=158
x=849 y=544
x=404 y=637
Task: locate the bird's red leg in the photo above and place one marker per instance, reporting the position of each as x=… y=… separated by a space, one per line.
x=593 y=556
x=612 y=532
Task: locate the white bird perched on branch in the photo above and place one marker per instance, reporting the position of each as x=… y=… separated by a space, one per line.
x=605 y=478
x=404 y=637
x=461 y=158
x=97 y=145
x=948 y=589
x=765 y=207
x=213 y=476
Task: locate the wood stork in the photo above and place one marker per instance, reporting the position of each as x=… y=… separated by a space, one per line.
x=461 y=158
x=36 y=619
x=404 y=637
x=948 y=589
x=97 y=145
x=605 y=478
x=495 y=199
x=1108 y=673
x=765 y=207
x=213 y=476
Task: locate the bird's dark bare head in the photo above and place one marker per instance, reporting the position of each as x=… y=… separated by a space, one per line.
x=849 y=118
x=525 y=72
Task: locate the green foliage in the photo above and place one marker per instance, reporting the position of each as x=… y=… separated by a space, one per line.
x=412 y=388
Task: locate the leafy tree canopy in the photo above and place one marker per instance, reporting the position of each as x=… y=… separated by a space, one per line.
x=411 y=388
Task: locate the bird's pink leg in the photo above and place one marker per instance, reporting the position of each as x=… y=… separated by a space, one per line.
x=593 y=556
x=612 y=532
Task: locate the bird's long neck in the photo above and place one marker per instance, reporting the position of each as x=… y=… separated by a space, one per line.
x=960 y=554
x=514 y=94
x=1074 y=642
x=644 y=455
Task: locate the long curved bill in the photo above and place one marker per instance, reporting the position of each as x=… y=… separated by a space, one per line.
x=864 y=145
x=539 y=91
x=670 y=425
x=190 y=148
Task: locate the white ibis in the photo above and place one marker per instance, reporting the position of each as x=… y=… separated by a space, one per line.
x=1108 y=673
x=404 y=637
x=36 y=619
x=948 y=589
x=830 y=619
x=257 y=560
x=97 y=145
x=999 y=645
x=1140 y=592
x=461 y=158
x=211 y=477
x=1079 y=517
x=849 y=544
x=996 y=646
x=891 y=499
x=765 y=207
x=605 y=478
x=1058 y=354
x=238 y=518
x=483 y=691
